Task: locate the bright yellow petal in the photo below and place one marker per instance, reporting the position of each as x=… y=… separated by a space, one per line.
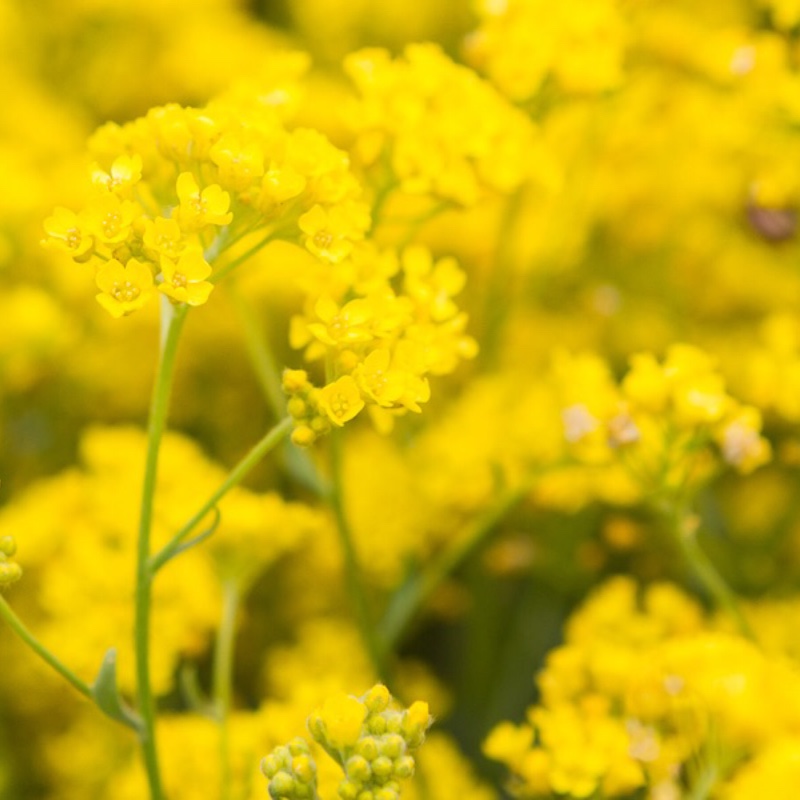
x=110 y=273
x=193 y=266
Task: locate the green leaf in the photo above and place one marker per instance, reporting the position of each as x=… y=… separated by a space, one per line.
x=106 y=694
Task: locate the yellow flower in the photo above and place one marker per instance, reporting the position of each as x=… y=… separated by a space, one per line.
x=239 y=163
x=384 y=385
x=163 y=237
x=419 y=111
x=341 y=400
x=110 y=219
x=124 y=289
x=330 y=233
x=646 y=384
x=416 y=723
x=508 y=743
x=342 y=326
x=185 y=281
x=66 y=232
x=432 y=285
x=198 y=209
x=343 y=716
x=125 y=172
x=740 y=442
x=279 y=184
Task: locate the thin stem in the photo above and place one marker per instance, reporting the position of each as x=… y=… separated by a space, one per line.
x=223 y=677
x=496 y=307
x=416 y=224
x=16 y=625
x=298 y=462
x=274 y=436
x=172 y=324
x=407 y=603
x=264 y=365
x=683 y=527
x=380 y=201
x=353 y=572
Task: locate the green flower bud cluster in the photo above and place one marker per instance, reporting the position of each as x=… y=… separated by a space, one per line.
x=371 y=741
x=303 y=407
x=10 y=571
x=291 y=771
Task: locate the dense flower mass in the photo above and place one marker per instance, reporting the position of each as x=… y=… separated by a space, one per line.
x=649 y=695
x=380 y=345
x=426 y=347
x=371 y=741
x=183 y=189
x=442 y=130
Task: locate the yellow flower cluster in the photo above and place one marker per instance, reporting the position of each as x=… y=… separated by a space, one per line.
x=367 y=737
x=668 y=422
x=379 y=342
x=663 y=136
x=183 y=189
x=645 y=692
x=10 y=571
x=521 y=43
x=438 y=128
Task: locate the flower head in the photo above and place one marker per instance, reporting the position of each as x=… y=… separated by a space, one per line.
x=124 y=289
x=185 y=280
x=341 y=400
x=66 y=231
x=198 y=209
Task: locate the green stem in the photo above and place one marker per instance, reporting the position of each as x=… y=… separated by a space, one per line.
x=496 y=306
x=264 y=365
x=223 y=677
x=298 y=462
x=16 y=625
x=172 y=323
x=704 y=782
x=353 y=572
x=380 y=201
x=683 y=527
x=416 y=224
x=275 y=435
x=407 y=603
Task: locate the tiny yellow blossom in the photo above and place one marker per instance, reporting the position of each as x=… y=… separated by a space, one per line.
x=67 y=232
x=124 y=289
x=198 y=209
x=341 y=400
x=342 y=716
x=185 y=281
x=740 y=441
x=125 y=172
x=330 y=233
x=347 y=325
x=239 y=163
x=163 y=237
x=378 y=381
x=279 y=184
x=110 y=219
